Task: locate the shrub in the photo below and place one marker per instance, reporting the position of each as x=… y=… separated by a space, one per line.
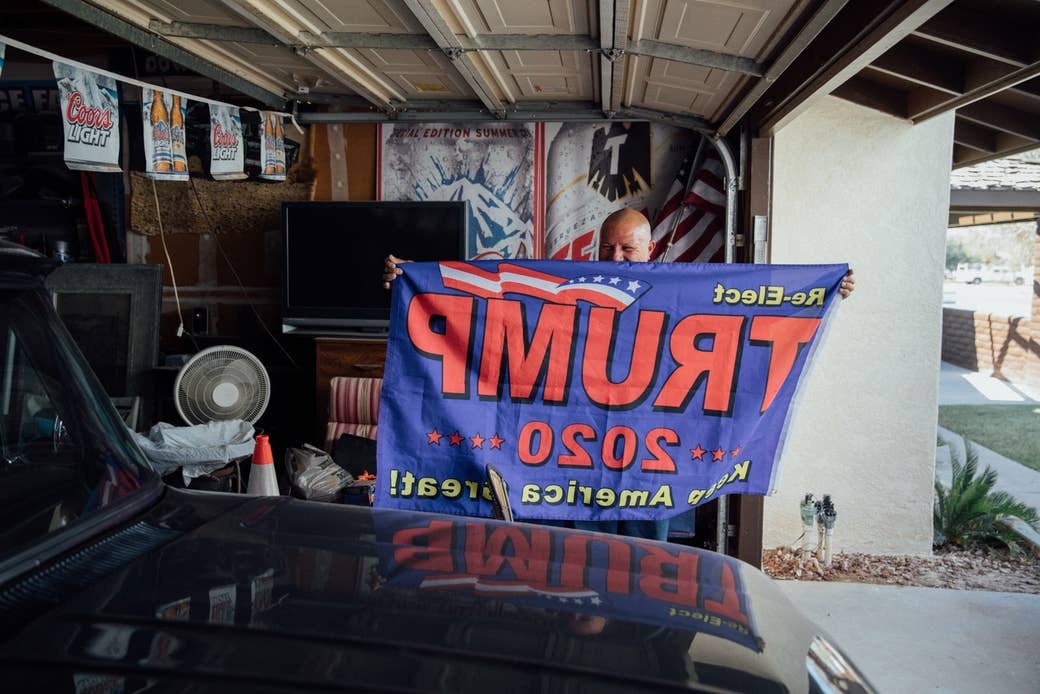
x=969 y=513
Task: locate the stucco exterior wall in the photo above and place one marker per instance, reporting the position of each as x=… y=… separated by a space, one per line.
x=854 y=185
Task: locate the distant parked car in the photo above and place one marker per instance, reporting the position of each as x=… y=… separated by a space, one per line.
x=110 y=581
x=977 y=273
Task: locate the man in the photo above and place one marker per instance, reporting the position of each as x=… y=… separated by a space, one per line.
x=625 y=235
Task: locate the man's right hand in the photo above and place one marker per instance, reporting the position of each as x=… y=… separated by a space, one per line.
x=390 y=269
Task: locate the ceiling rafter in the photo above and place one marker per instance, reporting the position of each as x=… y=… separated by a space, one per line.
x=613 y=27
x=341 y=66
x=1002 y=118
x=917 y=65
x=1007 y=145
x=974 y=136
x=376 y=40
x=802 y=40
x=466 y=64
x=980 y=34
x=982 y=90
x=606 y=44
x=859 y=35
x=525 y=111
x=149 y=41
x=492 y=42
x=879 y=97
x=695 y=56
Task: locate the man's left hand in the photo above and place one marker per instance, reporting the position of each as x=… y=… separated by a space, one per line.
x=848 y=283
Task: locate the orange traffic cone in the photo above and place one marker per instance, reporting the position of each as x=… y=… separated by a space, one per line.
x=262 y=480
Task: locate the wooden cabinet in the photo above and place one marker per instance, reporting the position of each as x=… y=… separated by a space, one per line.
x=343 y=356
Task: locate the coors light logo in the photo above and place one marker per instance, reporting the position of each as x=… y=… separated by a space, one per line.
x=224 y=143
x=87 y=125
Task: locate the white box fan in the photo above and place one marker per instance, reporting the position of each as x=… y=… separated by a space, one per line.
x=221 y=383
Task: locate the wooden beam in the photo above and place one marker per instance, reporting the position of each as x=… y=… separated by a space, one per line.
x=861 y=33
x=963 y=156
x=862 y=91
x=982 y=83
x=696 y=56
x=1003 y=118
x=622 y=15
x=1029 y=89
x=106 y=21
x=920 y=66
x=805 y=36
x=480 y=77
x=976 y=137
x=981 y=34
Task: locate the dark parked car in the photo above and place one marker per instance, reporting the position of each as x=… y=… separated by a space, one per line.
x=112 y=582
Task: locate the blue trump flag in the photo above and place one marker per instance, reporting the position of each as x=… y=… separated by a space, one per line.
x=599 y=390
x=562 y=573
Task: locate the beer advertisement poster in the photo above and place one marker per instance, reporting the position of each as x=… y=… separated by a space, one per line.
x=165 y=155
x=272 y=147
x=594 y=169
x=227 y=157
x=90 y=115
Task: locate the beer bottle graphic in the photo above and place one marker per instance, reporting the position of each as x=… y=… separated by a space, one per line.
x=162 y=156
x=177 y=147
x=279 y=146
x=269 y=145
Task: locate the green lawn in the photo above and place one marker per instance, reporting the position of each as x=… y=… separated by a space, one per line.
x=1011 y=430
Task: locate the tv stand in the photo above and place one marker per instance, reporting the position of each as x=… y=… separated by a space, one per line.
x=362 y=355
x=376 y=332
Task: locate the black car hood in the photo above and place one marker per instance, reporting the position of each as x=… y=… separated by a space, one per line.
x=281 y=594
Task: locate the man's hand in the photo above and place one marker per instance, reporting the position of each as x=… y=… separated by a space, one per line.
x=390 y=269
x=848 y=283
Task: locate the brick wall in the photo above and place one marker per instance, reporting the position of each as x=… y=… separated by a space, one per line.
x=1000 y=346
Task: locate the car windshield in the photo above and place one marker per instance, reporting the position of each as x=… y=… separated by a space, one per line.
x=65 y=456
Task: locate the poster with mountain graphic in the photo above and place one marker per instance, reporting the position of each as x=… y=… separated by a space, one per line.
x=491 y=166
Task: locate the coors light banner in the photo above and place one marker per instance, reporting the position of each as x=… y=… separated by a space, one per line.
x=227 y=158
x=272 y=147
x=165 y=157
x=90 y=114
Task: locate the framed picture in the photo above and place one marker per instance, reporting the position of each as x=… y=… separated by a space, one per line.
x=112 y=312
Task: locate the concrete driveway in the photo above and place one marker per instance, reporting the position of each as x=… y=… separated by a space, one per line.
x=932 y=639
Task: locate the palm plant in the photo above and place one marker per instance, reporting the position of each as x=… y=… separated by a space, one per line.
x=969 y=513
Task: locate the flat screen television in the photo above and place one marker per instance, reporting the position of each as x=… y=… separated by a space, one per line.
x=334 y=252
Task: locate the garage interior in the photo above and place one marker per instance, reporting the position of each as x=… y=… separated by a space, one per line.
x=731 y=73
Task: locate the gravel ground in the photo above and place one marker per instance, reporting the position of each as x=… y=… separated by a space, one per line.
x=948 y=568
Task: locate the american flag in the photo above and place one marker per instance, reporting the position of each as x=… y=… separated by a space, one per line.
x=600 y=289
x=690 y=225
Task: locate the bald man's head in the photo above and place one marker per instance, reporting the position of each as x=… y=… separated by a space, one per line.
x=625 y=235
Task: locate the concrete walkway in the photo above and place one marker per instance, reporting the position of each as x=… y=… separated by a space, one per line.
x=930 y=639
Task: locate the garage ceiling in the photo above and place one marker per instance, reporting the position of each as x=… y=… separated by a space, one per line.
x=706 y=64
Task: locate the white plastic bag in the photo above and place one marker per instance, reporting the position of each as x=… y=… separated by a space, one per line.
x=314 y=473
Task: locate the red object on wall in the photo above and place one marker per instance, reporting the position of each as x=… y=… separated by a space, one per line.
x=92 y=211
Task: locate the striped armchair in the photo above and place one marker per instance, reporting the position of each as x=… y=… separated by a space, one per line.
x=353 y=408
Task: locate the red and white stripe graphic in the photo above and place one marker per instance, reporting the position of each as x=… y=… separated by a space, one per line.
x=690 y=226
x=601 y=289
